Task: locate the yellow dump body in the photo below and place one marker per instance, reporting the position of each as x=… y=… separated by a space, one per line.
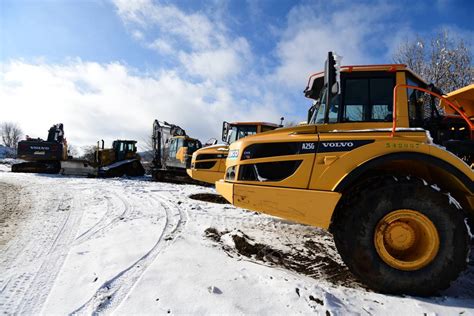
x=464 y=99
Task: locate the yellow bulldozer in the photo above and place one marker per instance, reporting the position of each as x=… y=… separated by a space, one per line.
x=372 y=165
x=120 y=160
x=208 y=163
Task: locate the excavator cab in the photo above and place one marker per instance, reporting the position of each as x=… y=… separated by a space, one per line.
x=172 y=150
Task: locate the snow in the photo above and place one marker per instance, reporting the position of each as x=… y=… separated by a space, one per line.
x=123 y=246
x=388 y=129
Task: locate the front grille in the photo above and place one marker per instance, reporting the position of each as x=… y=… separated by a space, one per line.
x=205 y=164
x=268 y=171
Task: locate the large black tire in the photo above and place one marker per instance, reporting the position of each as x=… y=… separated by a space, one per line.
x=366 y=204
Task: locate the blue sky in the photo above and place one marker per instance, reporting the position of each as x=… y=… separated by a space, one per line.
x=106 y=69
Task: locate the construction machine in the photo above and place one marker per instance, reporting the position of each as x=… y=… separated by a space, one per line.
x=371 y=167
x=42 y=156
x=172 y=150
x=208 y=163
x=120 y=160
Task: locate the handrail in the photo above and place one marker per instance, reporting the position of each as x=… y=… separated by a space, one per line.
x=452 y=105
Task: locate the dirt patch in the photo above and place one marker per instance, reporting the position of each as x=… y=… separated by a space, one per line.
x=10 y=211
x=209 y=197
x=308 y=257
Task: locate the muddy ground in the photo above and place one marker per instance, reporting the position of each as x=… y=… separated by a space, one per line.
x=311 y=257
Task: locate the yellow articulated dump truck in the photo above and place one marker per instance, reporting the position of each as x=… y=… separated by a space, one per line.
x=208 y=163
x=371 y=166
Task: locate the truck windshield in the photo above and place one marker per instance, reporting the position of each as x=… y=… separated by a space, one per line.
x=238 y=132
x=318 y=115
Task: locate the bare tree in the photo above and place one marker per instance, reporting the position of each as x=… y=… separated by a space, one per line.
x=72 y=150
x=442 y=60
x=89 y=153
x=11 y=134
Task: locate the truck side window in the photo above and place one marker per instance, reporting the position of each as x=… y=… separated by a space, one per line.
x=368 y=99
x=381 y=99
x=356 y=99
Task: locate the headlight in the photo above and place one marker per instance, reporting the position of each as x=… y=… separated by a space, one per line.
x=230 y=173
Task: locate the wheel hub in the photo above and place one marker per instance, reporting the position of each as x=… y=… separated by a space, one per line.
x=399 y=236
x=406 y=240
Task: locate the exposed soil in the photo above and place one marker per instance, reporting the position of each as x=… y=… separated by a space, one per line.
x=11 y=212
x=308 y=257
x=209 y=197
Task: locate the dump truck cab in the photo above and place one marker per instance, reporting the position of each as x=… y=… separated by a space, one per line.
x=208 y=163
x=368 y=149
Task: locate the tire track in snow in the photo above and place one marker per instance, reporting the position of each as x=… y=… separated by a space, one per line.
x=113 y=292
x=44 y=279
x=107 y=221
x=35 y=261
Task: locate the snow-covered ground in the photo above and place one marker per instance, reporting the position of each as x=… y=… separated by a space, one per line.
x=74 y=245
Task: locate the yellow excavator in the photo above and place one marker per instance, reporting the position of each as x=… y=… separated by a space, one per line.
x=172 y=150
x=373 y=166
x=208 y=163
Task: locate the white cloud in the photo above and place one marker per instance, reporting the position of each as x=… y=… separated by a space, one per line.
x=203 y=45
x=161 y=46
x=107 y=101
x=313 y=30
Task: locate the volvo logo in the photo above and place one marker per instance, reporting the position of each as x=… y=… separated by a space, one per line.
x=39 y=148
x=338 y=144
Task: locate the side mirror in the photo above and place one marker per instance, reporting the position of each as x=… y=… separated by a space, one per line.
x=225 y=130
x=335 y=88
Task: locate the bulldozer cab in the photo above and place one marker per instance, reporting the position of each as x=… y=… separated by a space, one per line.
x=121 y=150
x=232 y=132
x=124 y=149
